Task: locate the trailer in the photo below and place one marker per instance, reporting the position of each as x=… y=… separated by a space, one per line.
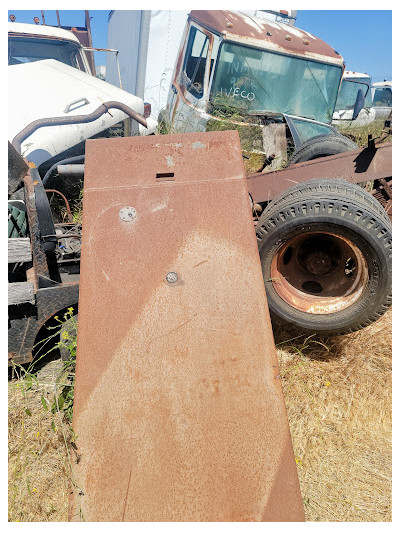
x=147 y=44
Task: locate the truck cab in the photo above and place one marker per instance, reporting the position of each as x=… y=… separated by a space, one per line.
x=378 y=100
x=28 y=43
x=56 y=104
x=256 y=72
x=353 y=83
x=57 y=67
x=382 y=99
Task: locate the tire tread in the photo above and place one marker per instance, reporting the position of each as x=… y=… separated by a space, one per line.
x=337 y=200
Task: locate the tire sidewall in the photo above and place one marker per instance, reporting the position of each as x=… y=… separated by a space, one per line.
x=373 y=295
x=321 y=146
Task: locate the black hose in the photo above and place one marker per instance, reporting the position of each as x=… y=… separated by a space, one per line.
x=76 y=119
x=75 y=159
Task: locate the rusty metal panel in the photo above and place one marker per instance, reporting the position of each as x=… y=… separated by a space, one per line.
x=253 y=31
x=179 y=412
x=356 y=166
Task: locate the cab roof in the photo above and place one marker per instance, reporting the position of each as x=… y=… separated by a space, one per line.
x=353 y=74
x=261 y=33
x=382 y=84
x=41 y=30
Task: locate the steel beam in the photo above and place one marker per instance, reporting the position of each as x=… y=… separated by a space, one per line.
x=357 y=166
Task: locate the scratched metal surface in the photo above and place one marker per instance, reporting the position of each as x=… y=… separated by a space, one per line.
x=178 y=409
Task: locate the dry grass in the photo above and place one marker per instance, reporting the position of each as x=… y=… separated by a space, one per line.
x=38 y=482
x=338 y=397
x=359 y=134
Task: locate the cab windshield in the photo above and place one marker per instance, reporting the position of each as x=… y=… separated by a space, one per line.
x=349 y=90
x=258 y=81
x=27 y=50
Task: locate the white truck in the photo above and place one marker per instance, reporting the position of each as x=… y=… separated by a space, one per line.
x=54 y=64
x=382 y=99
x=378 y=100
x=352 y=82
x=55 y=105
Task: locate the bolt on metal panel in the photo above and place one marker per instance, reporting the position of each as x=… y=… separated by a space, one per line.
x=179 y=412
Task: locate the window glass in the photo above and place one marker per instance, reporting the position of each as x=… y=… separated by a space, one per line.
x=259 y=81
x=306 y=130
x=382 y=97
x=195 y=62
x=348 y=93
x=25 y=50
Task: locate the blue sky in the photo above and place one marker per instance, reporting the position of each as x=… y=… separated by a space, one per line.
x=362 y=37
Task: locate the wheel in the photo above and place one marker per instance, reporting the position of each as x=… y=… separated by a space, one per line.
x=325 y=249
x=321 y=146
x=68 y=337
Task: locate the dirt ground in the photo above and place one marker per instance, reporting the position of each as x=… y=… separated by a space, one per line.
x=338 y=398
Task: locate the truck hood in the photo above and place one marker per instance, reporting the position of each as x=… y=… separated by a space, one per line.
x=49 y=88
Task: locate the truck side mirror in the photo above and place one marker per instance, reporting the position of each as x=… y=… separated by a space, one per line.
x=360 y=102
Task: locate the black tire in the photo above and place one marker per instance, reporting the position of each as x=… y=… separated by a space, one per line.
x=69 y=329
x=325 y=248
x=321 y=146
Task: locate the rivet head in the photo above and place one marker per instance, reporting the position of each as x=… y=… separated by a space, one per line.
x=128 y=214
x=172 y=277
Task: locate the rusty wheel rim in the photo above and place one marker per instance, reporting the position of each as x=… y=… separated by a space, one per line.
x=319 y=273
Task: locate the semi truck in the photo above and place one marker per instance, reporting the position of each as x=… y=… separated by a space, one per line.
x=148 y=44
x=352 y=82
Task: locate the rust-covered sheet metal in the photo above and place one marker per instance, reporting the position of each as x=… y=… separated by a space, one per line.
x=179 y=412
x=253 y=31
x=357 y=166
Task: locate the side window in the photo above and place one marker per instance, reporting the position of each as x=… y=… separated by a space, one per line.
x=195 y=62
